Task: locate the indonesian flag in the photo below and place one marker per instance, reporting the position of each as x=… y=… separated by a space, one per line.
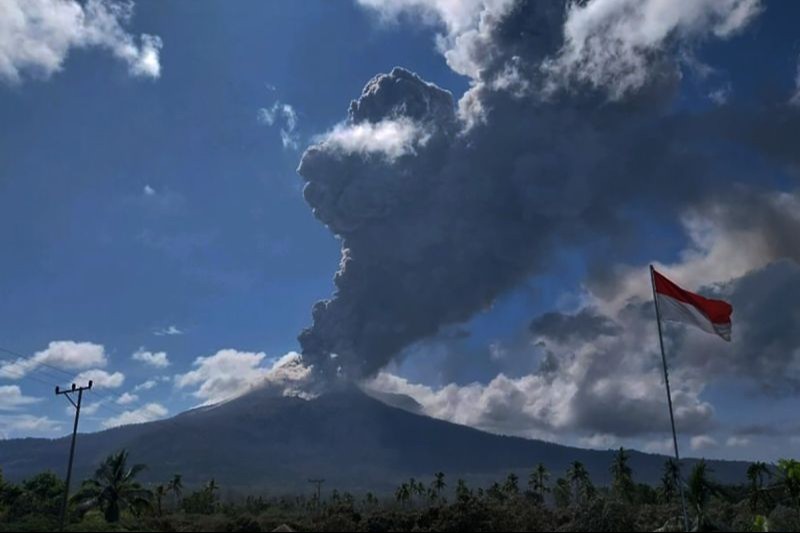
x=679 y=305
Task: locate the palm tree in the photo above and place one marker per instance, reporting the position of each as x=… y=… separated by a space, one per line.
x=402 y=494
x=669 y=480
x=418 y=488
x=578 y=476
x=701 y=488
x=113 y=488
x=790 y=478
x=158 y=494
x=438 y=484
x=511 y=486
x=175 y=486
x=537 y=483
x=756 y=473
x=622 y=475
x=463 y=492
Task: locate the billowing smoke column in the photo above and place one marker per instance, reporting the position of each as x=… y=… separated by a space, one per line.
x=441 y=208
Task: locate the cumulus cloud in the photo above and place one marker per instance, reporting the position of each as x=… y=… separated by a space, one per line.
x=11 y=398
x=100 y=379
x=620 y=44
x=146 y=413
x=28 y=425
x=145 y=385
x=702 y=442
x=66 y=355
x=126 y=398
x=285 y=117
x=36 y=36
x=154 y=359
x=231 y=373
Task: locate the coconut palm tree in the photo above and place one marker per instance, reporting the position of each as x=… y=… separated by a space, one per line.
x=622 y=474
x=175 y=486
x=578 y=477
x=669 y=480
x=114 y=488
x=537 y=483
x=438 y=485
x=700 y=490
x=756 y=473
x=403 y=494
x=159 y=493
x=511 y=486
x=789 y=470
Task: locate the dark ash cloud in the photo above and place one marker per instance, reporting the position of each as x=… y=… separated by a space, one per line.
x=440 y=210
x=584 y=325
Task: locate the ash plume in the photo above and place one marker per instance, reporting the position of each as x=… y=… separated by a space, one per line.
x=442 y=206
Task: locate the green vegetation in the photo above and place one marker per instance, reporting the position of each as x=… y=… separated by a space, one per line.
x=113 y=499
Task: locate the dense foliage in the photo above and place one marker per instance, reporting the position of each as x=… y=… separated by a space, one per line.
x=113 y=500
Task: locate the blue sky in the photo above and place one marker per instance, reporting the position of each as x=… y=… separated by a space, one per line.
x=164 y=213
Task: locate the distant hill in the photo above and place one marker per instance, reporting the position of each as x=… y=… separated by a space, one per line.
x=356 y=442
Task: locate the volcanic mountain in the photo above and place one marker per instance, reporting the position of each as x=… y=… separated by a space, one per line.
x=261 y=441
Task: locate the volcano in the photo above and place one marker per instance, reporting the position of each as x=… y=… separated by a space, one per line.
x=261 y=441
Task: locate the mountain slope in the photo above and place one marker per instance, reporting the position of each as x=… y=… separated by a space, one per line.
x=352 y=440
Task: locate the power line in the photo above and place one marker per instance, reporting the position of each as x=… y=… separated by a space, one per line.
x=109 y=398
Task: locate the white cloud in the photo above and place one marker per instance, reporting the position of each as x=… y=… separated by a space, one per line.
x=796 y=98
x=67 y=355
x=127 y=398
x=600 y=441
x=36 y=36
x=230 y=373
x=737 y=442
x=147 y=413
x=610 y=43
x=286 y=117
x=465 y=25
x=88 y=409
x=100 y=379
x=607 y=43
x=11 y=398
x=721 y=95
x=662 y=446
x=28 y=425
x=154 y=359
x=168 y=331
x=390 y=137
x=703 y=442
x=146 y=385
x=149 y=191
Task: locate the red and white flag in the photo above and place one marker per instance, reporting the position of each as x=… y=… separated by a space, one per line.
x=679 y=305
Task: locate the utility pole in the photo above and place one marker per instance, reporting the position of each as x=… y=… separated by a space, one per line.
x=318 y=483
x=77 y=405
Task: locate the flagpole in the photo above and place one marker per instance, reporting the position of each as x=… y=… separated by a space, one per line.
x=669 y=400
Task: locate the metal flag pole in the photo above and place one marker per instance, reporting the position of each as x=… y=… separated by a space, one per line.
x=669 y=401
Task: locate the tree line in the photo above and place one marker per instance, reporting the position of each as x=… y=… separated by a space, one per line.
x=113 y=498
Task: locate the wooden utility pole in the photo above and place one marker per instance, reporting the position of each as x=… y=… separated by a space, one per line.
x=318 y=483
x=77 y=405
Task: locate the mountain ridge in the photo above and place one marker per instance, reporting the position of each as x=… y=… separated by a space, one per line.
x=263 y=442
